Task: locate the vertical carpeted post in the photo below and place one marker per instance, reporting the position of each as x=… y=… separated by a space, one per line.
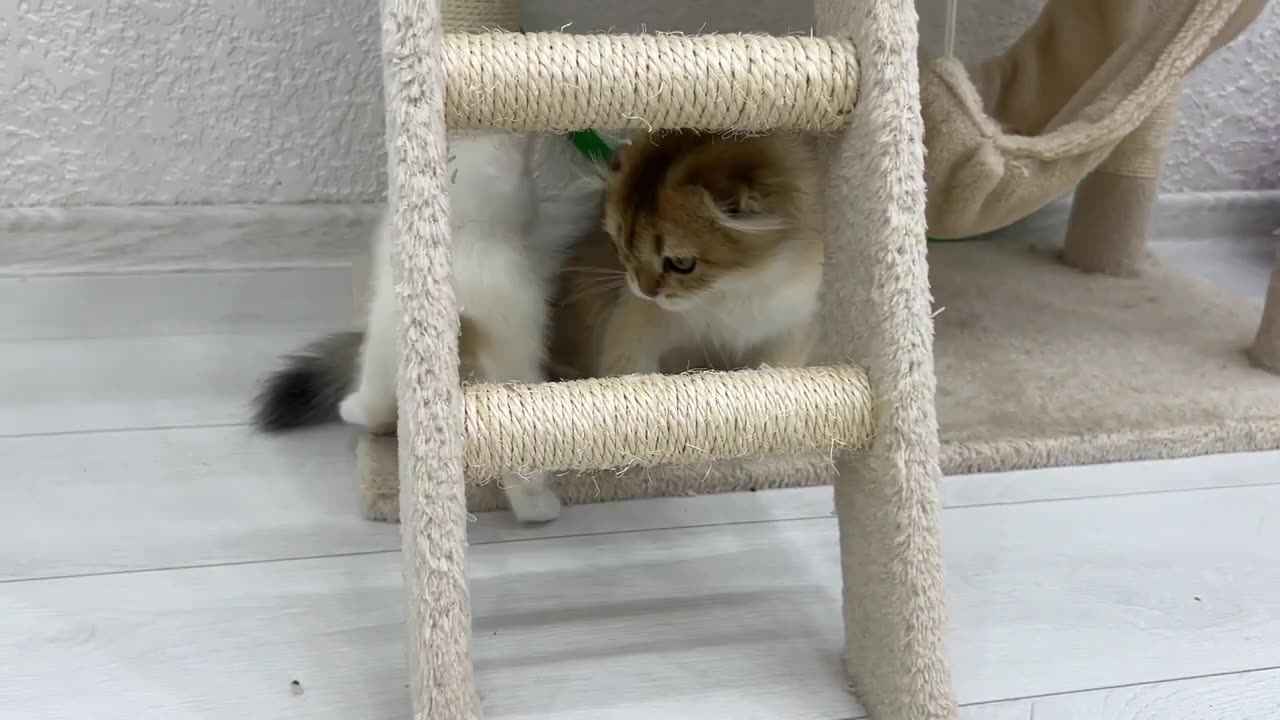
x=433 y=498
x=876 y=312
x=1265 y=351
x=1111 y=211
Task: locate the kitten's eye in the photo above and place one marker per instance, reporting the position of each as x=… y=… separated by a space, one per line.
x=682 y=265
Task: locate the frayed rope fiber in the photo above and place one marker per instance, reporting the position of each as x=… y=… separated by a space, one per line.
x=646 y=420
x=563 y=82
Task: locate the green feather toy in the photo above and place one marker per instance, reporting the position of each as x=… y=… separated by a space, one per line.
x=591 y=145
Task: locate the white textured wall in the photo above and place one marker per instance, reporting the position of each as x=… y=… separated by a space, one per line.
x=189 y=101
x=216 y=101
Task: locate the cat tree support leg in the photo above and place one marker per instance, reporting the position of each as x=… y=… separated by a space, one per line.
x=879 y=315
x=432 y=499
x=1111 y=212
x=1266 y=345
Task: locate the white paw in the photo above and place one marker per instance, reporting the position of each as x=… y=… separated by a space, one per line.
x=352 y=410
x=355 y=409
x=532 y=502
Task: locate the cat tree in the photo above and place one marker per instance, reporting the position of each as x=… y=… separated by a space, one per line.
x=876 y=419
x=1084 y=99
x=866 y=419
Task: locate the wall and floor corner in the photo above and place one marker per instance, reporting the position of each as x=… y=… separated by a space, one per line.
x=215 y=102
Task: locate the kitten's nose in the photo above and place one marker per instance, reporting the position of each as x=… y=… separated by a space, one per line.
x=645 y=289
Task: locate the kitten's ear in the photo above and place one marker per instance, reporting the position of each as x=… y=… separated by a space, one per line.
x=741 y=209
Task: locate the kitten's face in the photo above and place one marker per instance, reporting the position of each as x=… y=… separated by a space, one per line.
x=689 y=215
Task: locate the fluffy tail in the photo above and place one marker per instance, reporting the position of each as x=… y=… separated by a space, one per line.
x=308 y=389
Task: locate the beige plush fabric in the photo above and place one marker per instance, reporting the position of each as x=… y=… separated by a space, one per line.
x=434 y=514
x=878 y=315
x=1012 y=134
x=1085 y=99
x=1040 y=365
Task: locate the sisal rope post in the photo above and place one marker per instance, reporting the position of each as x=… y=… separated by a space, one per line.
x=879 y=315
x=650 y=420
x=1111 y=212
x=1265 y=352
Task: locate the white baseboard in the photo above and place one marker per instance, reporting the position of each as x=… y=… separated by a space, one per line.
x=43 y=241
x=196 y=238
x=1180 y=216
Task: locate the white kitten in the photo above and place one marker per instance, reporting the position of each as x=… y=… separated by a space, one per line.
x=514 y=214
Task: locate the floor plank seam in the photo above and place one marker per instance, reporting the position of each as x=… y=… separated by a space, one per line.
x=669 y=528
x=827 y=516
x=115 y=430
x=1122 y=686
x=142 y=270
x=145 y=271
x=317 y=328
x=265 y=331
x=1102 y=496
x=196 y=566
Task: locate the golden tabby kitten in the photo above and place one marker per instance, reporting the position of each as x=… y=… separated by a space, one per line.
x=711 y=257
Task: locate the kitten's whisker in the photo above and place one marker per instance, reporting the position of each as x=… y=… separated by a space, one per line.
x=596 y=279
x=706 y=353
x=601 y=282
x=706 y=356
x=581 y=296
x=594 y=271
x=592 y=291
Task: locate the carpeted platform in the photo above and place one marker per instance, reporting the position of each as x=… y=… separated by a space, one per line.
x=1038 y=365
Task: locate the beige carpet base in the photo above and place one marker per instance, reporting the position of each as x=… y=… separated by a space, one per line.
x=1038 y=365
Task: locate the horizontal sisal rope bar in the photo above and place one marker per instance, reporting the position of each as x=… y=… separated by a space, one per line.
x=645 y=420
x=557 y=81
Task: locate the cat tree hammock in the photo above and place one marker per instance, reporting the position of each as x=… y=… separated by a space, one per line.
x=867 y=414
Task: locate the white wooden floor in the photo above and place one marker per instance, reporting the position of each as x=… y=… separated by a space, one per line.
x=160 y=560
